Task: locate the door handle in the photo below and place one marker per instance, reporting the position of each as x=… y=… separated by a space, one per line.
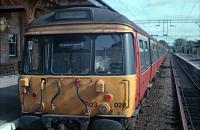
x=126 y=84
x=143 y=82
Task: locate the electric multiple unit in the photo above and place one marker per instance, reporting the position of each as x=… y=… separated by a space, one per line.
x=85 y=68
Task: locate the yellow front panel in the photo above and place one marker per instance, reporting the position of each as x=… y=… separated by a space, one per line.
x=123 y=89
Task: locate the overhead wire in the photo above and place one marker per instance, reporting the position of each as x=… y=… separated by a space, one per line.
x=130 y=11
x=180 y=21
x=126 y=7
x=190 y=12
x=182 y=7
x=141 y=6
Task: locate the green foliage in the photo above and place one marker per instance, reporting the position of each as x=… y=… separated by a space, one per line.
x=164 y=43
x=184 y=46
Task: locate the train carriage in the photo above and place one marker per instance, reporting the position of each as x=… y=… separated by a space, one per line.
x=84 y=66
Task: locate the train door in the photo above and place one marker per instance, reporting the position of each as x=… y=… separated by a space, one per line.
x=145 y=64
x=137 y=99
x=151 y=59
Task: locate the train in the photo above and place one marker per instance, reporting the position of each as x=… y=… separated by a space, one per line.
x=85 y=68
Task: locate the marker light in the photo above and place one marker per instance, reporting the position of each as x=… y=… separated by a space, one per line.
x=34 y=94
x=104 y=108
x=100 y=86
x=108 y=97
x=77 y=81
x=24 y=82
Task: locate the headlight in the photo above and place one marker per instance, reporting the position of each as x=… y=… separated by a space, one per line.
x=104 y=108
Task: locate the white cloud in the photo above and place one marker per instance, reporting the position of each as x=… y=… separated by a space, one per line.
x=157 y=2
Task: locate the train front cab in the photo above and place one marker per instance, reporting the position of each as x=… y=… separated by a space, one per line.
x=75 y=80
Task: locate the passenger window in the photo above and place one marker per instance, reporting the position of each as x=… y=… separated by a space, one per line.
x=156 y=52
x=151 y=46
x=147 y=54
x=153 y=52
x=142 y=56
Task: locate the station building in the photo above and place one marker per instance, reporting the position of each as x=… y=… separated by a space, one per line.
x=14 y=17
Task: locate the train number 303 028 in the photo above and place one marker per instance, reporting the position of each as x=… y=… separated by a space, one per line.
x=116 y=105
x=119 y=105
x=91 y=104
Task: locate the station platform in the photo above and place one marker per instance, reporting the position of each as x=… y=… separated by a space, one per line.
x=6 y=81
x=191 y=66
x=9 y=102
x=191 y=59
x=187 y=79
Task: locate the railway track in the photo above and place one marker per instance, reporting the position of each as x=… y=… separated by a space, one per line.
x=186 y=79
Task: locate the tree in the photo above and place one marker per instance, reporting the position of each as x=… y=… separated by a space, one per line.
x=179 y=44
x=164 y=43
x=198 y=42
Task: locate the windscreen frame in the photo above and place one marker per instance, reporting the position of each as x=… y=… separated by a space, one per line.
x=128 y=60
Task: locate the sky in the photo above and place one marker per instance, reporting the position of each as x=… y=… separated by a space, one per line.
x=167 y=14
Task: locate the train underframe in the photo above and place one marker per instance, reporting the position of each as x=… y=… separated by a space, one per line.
x=71 y=122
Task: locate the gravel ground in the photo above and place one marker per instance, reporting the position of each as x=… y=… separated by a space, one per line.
x=160 y=109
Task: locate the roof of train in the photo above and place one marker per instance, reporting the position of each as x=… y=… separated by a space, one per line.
x=89 y=15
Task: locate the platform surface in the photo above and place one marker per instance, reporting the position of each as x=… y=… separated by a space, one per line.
x=189 y=58
x=9 y=100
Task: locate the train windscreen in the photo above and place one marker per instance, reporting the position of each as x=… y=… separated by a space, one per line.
x=79 y=54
